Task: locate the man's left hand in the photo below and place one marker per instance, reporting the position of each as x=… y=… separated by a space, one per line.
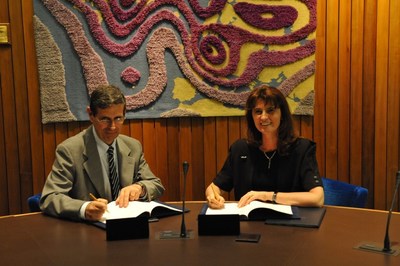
x=129 y=193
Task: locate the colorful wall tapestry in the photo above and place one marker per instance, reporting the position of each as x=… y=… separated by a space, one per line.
x=173 y=58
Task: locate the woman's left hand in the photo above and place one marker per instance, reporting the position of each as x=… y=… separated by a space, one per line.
x=251 y=196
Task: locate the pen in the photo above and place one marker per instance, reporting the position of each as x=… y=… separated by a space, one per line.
x=215 y=194
x=94 y=198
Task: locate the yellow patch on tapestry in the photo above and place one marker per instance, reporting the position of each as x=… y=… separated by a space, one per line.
x=208 y=107
x=183 y=90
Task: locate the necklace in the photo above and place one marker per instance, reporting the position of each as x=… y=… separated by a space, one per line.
x=269 y=158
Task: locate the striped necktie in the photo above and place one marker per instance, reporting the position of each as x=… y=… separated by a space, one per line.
x=114 y=180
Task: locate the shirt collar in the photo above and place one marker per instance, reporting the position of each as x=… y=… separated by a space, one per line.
x=101 y=145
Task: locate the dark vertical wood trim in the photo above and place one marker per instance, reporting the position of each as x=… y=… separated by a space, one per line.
x=22 y=112
x=307 y=127
x=222 y=140
x=136 y=129
x=125 y=129
x=73 y=129
x=185 y=154
x=393 y=108
x=197 y=164
x=343 y=146
x=161 y=150
x=173 y=191
x=233 y=129
x=368 y=99
x=210 y=150
x=10 y=114
x=49 y=144
x=320 y=95
x=149 y=140
x=331 y=89
x=5 y=84
x=381 y=87
x=356 y=90
x=243 y=127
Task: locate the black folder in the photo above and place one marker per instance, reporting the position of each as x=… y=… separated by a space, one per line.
x=127 y=228
x=213 y=225
x=309 y=217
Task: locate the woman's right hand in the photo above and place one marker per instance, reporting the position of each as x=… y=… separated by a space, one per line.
x=214 y=199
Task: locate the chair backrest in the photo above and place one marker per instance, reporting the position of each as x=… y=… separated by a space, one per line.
x=344 y=194
x=33 y=203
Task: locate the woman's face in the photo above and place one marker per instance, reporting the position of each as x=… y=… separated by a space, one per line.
x=266 y=117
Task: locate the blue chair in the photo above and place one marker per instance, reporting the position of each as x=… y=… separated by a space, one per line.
x=33 y=203
x=339 y=193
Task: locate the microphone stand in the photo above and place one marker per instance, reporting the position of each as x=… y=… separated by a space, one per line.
x=386 y=249
x=386 y=245
x=183 y=233
x=183 y=226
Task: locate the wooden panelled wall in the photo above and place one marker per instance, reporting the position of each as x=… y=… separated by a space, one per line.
x=356 y=122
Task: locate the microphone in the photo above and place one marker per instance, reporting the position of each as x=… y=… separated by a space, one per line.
x=386 y=249
x=183 y=227
x=183 y=234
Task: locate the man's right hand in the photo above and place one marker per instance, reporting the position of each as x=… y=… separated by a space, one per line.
x=95 y=209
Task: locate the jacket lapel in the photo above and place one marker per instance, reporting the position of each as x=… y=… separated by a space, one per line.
x=92 y=165
x=126 y=163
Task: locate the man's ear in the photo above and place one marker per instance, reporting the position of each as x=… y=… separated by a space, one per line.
x=89 y=111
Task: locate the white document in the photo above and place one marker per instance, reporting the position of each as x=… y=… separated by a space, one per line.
x=232 y=208
x=134 y=209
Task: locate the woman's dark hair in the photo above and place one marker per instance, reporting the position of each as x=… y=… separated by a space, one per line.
x=104 y=96
x=274 y=97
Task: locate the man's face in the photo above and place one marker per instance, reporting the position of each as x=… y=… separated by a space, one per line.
x=108 y=122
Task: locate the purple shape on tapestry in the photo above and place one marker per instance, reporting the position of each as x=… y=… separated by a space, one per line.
x=130 y=75
x=282 y=16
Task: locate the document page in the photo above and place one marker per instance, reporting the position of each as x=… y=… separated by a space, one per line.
x=134 y=209
x=232 y=208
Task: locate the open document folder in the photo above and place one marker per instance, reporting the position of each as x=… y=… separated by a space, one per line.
x=256 y=210
x=138 y=208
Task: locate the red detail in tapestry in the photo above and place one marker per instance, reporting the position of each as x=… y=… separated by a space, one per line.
x=213 y=50
x=130 y=75
x=282 y=16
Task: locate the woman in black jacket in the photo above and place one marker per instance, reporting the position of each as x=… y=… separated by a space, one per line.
x=272 y=164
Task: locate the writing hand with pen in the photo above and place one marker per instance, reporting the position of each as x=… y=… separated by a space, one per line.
x=214 y=198
x=96 y=208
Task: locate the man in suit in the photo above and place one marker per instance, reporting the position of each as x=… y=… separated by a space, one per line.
x=79 y=184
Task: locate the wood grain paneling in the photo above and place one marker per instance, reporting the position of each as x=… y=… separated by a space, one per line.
x=10 y=116
x=331 y=88
x=356 y=85
x=381 y=98
x=320 y=95
x=343 y=95
x=368 y=97
x=393 y=109
x=356 y=121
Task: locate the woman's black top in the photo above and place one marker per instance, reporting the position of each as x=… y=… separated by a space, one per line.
x=246 y=169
